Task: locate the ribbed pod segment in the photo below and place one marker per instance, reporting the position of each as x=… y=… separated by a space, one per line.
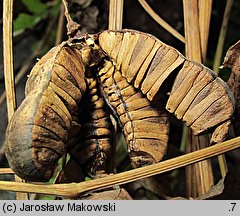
x=38 y=132
x=145 y=124
x=198 y=97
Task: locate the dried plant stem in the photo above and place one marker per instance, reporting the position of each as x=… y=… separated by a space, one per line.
x=205 y=9
x=222 y=35
x=161 y=21
x=72 y=27
x=8 y=57
x=199 y=176
x=115 y=23
x=67 y=15
x=115 y=14
x=75 y=189
x=8 y=68
x=191 y=27
x=6 y=171
x=60 y=26
x=216 y=64
x=222 y=165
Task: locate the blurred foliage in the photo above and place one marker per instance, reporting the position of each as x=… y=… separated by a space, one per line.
x=36 y=6
x=37 y=11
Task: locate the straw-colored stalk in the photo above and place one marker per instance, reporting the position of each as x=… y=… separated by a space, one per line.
x=205 y=10
x=115 y=14
x=191 y=28
x=199 y=176
x=115 y=21
x=161 y=21
x=6 y=171
x=76 y=189
x=8 y=57
x=8 y=68
x=205 y=7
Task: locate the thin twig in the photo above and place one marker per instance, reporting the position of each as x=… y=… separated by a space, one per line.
x=8 y=68
x=161 y=21
x=222 y=35
x=72 y=27
x=67 y=15
x=75 y=189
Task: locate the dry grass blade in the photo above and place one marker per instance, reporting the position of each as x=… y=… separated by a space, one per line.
x=75 y=189
x=115 y=14
x=222 y=35
x=205 y=9
x=8 y=57
x=160 y=21
x=8 y=68
x=191 y=27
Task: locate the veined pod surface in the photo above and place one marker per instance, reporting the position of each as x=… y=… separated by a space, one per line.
x=198 y=97
x=93 y=149
x=145 y=124
x=37 y=134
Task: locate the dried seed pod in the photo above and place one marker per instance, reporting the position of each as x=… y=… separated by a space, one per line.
x=145 y=124
x=37 y=134
x=232 y=60
x=198 y=97
x=93 y=150
x=135 y=69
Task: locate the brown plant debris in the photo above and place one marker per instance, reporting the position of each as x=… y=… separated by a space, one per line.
x=232 y=60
